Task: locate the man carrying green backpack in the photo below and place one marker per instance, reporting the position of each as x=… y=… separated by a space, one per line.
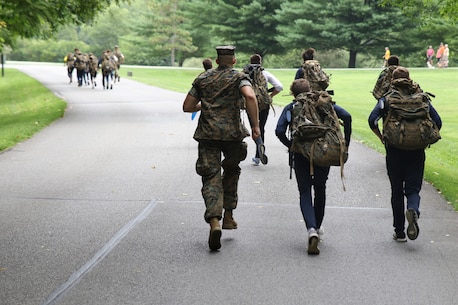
x=260 y=79
x=311 y=165
x=410 y=124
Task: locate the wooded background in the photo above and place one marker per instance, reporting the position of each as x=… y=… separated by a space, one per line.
x=345 y=33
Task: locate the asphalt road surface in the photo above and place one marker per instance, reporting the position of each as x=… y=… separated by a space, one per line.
x=104 y=207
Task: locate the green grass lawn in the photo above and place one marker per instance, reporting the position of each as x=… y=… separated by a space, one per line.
x=353 y=91
x=25 y=108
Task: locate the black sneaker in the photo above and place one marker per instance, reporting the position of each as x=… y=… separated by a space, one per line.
x=313 y=242
x=412 y=229
x=399 y=237
x=263 y=156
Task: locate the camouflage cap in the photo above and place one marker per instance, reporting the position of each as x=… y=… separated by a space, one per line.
x=225 y=50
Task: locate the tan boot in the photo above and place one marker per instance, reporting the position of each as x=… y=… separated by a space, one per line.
x=214 y=240
x=228 y=221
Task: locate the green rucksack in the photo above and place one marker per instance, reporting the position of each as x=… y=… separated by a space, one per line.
x=383 y=84
x=315 y=130
x=316 y=77
x=408 y=124
x=259 y=84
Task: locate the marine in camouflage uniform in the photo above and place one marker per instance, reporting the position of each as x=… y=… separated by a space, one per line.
x=120 y=61
x=217 y=94
x=70 y=62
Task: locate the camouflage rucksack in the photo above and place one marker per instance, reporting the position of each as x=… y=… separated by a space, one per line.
x=408 y=124
x=69 y=57
x=315 y=130
x=93 y=62
x=259 y=84
x=70 y=60
x=108 y=63
x=316 y=77
x=80 y=62
x=383 y=84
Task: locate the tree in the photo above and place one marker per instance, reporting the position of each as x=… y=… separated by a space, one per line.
x=41 y=18
x=106 y=30
x=249 y=25
x=163 y=28
x=353 y=25
x=426 y=9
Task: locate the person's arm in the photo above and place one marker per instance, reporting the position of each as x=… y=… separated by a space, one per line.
x=345 y=116
x=252 y=109
x=282 y=126
x=375 y=116
x=191 y=103
x=435 y=116
x=299 y=73
x=271 y=79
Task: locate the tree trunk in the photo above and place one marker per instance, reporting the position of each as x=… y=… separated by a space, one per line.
x=352 y=61
x=172 y=57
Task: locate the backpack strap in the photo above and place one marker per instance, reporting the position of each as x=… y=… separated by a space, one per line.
x=342 y=149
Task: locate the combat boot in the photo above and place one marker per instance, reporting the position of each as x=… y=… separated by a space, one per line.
x=214 y=240
x=228 y=221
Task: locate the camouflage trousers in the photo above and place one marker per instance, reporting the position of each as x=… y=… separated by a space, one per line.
x=219 y=190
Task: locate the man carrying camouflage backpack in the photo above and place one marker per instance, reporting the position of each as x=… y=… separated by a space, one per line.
x=311 y=71
x=120 y=61
x=69 y=62
x=325 y=113
x=80 y=64
x=410 y=124
x=260 y=79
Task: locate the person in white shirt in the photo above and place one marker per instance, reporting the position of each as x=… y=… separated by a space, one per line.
x=277 y=87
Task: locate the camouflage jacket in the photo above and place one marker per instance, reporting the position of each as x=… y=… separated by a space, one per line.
x=120 y=56
x=219 y=93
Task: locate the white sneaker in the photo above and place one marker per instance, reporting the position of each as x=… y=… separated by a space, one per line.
x=255 y=161
x=320 y=232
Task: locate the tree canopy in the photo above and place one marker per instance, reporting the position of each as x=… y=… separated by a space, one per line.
x=28 y=19
x=167 y=32
x=250 y=25
x=427 y=9
x=352 y=25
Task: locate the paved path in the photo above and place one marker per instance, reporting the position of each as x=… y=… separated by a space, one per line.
x=104 y=207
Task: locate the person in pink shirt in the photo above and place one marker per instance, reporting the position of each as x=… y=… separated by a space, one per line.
x=429 y=57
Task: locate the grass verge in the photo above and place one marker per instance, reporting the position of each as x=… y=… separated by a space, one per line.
x=26 y=107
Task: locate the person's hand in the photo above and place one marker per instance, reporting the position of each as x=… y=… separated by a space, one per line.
x=255 y=132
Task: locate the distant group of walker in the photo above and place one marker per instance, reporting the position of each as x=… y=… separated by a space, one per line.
x=434 y=58
x=442 y=55
x=87 y=65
